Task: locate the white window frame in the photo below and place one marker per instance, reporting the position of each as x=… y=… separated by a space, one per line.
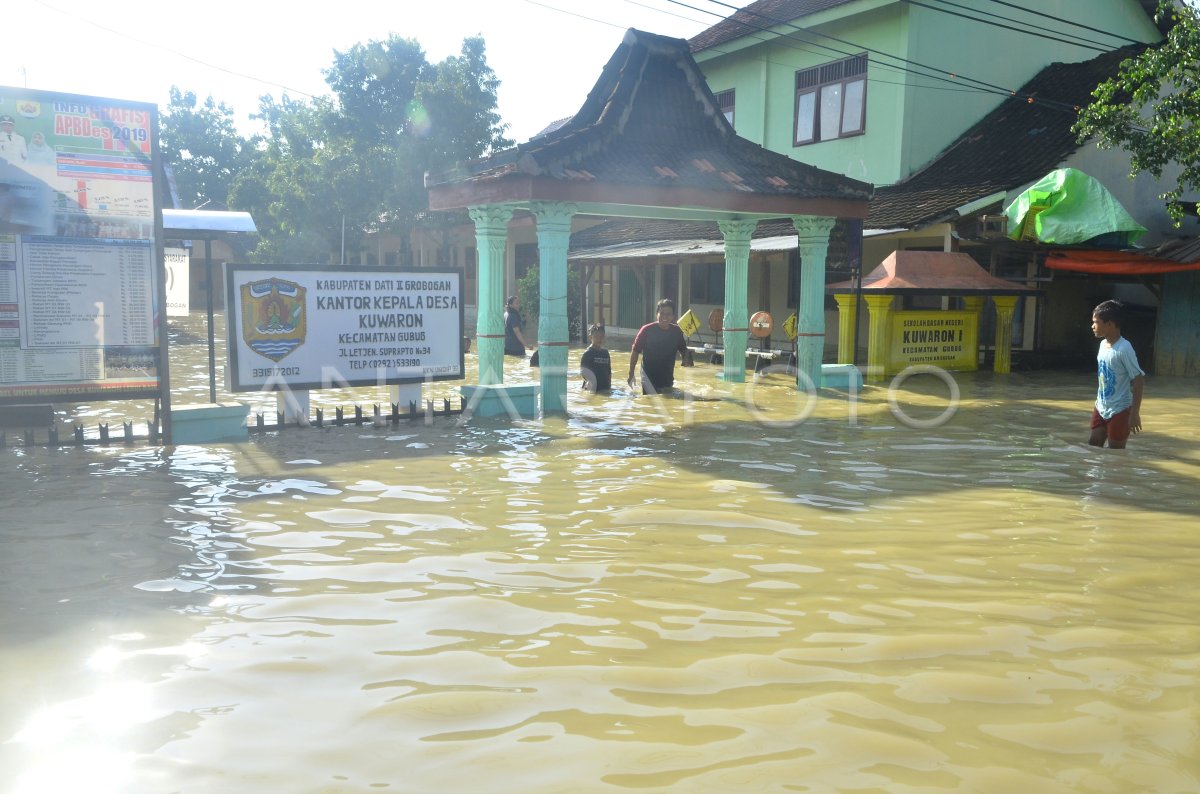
x=815 y=87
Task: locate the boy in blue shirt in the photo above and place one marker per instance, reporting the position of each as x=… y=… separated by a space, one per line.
x=1119 y=397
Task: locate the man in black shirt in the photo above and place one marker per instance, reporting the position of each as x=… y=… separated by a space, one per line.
x=656 y=344
x=595 y=366
x=514 y=325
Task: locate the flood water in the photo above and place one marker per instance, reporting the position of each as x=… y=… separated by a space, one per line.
x=652 y=595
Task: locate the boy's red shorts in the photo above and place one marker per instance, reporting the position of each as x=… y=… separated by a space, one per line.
x=1117 y=427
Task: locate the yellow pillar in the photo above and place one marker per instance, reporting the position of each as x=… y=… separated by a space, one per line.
x=880 y=309
x=974 y=303
x=847 y=319
x=1005 y=304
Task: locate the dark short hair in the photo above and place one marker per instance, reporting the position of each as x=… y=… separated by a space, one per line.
x=1110 y=312
x=665 y=303
x=595 y=328
x=511 y=300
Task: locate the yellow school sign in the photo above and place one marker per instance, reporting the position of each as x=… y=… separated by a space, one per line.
x=948 y=339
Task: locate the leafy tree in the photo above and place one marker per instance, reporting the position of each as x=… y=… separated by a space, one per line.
x=360 y=156
x=1152 y=107
x=201 y=143
x=305 y=181
x=530 y=290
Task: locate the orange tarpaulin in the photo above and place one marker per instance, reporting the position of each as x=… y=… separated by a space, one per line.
x=1114 y=263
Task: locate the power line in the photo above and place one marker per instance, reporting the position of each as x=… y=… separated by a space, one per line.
x=799 y=49
x=165 y=48
x=791 y=37
x=793 y=45
x=1089 y=44
x=949 y=77
x=834 y=50
x=1067 y=21
x=573 y=14
x=664 y=11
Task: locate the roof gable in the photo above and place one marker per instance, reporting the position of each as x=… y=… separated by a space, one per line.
x=651 y=122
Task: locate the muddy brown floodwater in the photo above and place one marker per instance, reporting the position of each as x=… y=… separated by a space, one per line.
x=651 y=595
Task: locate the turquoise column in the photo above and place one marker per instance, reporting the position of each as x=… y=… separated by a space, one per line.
x=736 y=331
x=554 y=238
x=491 y=240
x=813 y=232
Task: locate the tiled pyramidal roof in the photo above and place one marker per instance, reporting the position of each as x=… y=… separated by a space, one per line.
x=651 y=120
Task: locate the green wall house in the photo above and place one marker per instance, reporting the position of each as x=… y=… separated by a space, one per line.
x=951 y=109
x=874 y=89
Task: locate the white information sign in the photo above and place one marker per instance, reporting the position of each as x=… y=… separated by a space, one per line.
x=313 y=327
x=178 y=285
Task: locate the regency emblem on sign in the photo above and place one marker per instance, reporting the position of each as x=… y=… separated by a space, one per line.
x=274 y=320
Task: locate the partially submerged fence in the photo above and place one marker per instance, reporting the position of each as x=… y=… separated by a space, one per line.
x=126 y=433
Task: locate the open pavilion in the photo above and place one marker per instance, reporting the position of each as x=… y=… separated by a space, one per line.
x=649 y=142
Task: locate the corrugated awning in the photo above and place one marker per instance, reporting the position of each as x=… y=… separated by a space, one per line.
x=203 y=223
x=640 y=250
x=1115 y=263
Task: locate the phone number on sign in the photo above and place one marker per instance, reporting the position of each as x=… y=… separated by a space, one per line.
x=387 y=363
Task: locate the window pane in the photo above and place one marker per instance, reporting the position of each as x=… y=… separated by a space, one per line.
x=716 y=283
x=852 y=109
x=725 y=101
x=831 y=110
x=806 y=111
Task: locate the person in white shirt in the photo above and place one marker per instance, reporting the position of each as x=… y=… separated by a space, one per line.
x=1118 y=408
x=12 y=145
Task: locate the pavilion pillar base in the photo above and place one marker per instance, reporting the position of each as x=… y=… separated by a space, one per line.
x=513 y=401
x=209 y=423
x=841 y=376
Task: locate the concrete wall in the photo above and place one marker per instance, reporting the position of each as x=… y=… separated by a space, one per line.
x=909 y=118
x=1177 y=342
x=936 y=114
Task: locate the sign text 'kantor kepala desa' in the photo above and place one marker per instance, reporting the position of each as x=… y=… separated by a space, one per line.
x=308 y=327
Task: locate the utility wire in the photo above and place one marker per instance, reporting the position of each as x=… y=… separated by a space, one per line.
x=664 y=11
x=793 y=45
x=791 y=37
x=1089 y=44
x=175 y=52
x=573 y=14
x=1067 y=21
x=938 y=73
